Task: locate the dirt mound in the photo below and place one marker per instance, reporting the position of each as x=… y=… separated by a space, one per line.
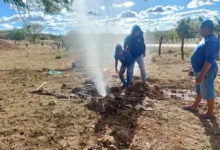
x=4 y=45
x=126 y=105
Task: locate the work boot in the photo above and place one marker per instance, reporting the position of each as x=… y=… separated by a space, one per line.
x=128 y=85
x=124 y=85
x=144 y=82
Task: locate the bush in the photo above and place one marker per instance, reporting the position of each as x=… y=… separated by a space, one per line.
x=188 y=54
x=58 y=57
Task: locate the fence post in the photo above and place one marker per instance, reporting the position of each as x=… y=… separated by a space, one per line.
x=161 y=39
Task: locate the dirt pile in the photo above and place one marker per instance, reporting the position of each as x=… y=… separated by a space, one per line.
x=137 y=97
x=4 y=45
x=125 y=104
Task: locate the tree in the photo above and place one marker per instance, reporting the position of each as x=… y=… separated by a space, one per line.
x=217 y=26
x=175 y=35
x=183 y=30
x=48 y=6
x=34 y=31
x=16 y=35
x=193 y=29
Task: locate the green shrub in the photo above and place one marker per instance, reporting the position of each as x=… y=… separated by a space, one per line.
x=58 y=57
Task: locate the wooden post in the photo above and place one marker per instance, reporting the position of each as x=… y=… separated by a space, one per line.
x=161 y=39
x=182 y=48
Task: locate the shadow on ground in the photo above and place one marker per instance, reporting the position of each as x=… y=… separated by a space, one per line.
x=212 y=131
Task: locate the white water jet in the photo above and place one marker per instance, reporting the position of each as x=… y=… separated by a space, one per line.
x=90 y=53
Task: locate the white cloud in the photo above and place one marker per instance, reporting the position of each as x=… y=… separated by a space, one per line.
x=197 y=13
x=216 y=0
x=198 y=3
x=161 y=9
x=102 y=7
x=127 y=14
x=6 y=26
x=126 y=5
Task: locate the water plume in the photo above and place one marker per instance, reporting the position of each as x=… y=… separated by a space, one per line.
x=90 y=48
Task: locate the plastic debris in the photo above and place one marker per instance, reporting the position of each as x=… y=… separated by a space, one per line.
x=53 y=72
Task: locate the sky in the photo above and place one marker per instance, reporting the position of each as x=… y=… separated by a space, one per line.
x=115 y=16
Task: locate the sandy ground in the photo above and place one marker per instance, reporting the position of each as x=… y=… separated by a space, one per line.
x=31 y=121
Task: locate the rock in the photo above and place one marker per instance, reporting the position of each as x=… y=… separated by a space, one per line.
x=108 y=140
x=112 y=147
x=63 y=86
x=129 y=106
x=45 y=69
x=114 y=90
x=191 y=73
x=1 y=98
x=63 y=143
x=42 y=138
x=157 y=88
x=52 y=103
x=148 y=145
x=173 y=91
x=141 y=89
x=124 y=134
x=143 y=107
x=88 y=81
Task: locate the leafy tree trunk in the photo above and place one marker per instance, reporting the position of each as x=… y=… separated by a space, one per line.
x=218 y=58
x=182 y=48
x=34 y=39
x=219 y=37
x=161 y=40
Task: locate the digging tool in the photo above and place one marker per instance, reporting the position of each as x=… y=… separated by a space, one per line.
x=41 y=90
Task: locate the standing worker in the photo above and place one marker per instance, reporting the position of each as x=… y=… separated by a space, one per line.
x=204 y=64
x=134 y=43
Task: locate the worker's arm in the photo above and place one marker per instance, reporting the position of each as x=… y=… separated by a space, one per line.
x=211 y=52
x=126 y=43
x=123 y=70
x=143 y=48
x=205 y=69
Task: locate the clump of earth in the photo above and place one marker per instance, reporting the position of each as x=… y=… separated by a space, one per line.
x=4 y=45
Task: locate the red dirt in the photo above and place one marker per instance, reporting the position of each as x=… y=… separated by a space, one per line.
x=4 y=45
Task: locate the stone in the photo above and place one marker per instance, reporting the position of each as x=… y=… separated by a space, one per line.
x=52 y=103
x=148 y=145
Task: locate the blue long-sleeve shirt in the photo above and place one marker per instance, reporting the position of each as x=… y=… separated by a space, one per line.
x=206 y=50
x=125 y=59
x=135 y=45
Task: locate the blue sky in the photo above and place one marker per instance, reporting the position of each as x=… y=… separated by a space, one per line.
x=117 y=16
